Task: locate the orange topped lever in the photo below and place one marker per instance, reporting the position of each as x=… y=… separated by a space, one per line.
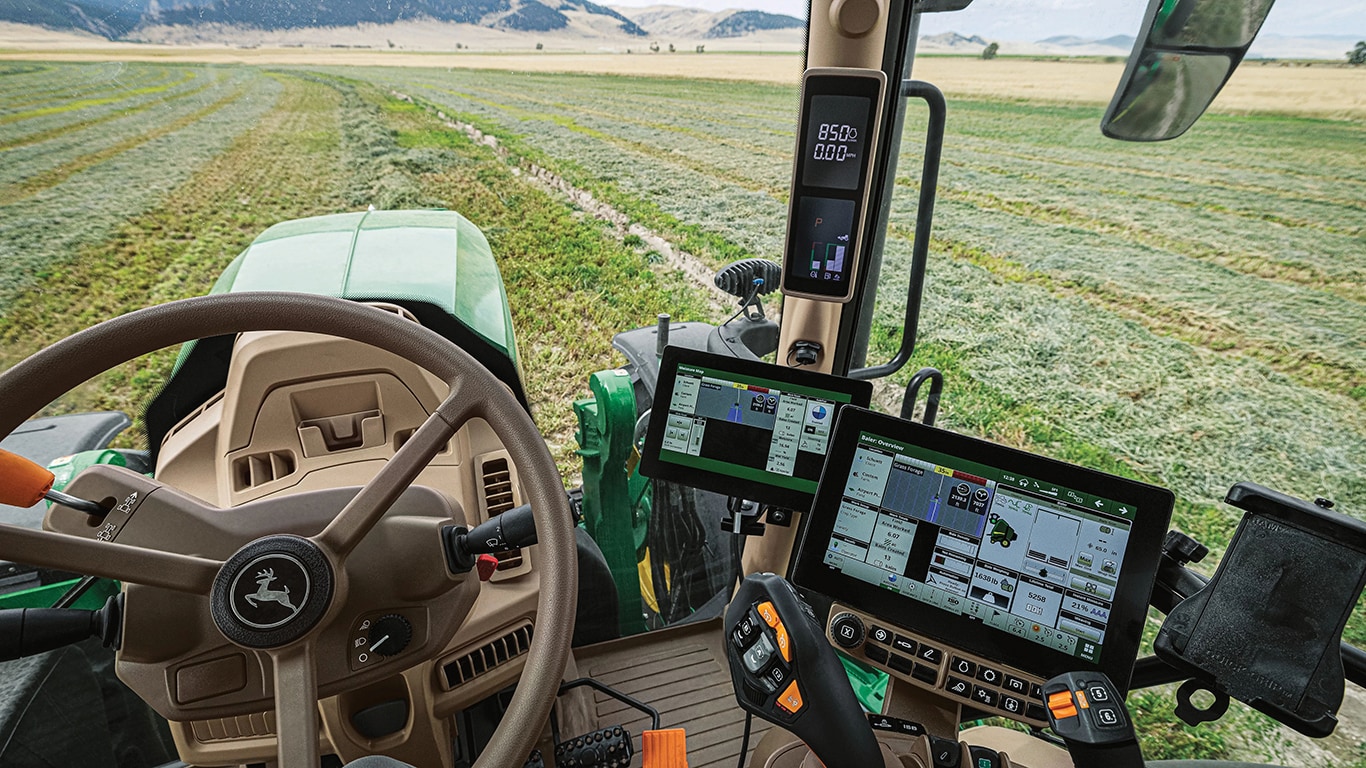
x=22 y=483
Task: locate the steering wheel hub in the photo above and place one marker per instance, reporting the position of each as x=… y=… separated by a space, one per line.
x=272 y=592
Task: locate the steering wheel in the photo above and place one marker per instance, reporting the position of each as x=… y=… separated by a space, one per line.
x=330 y=596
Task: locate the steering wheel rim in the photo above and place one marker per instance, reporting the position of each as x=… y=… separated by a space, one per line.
x=35 y=382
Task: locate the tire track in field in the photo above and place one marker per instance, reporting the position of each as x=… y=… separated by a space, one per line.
x=695 y=269
x=1205 y=331
x=61 y=130
x=47 y=179
x=618 y=117
x=1350 y=286
x=887 y=393
x=664 y=156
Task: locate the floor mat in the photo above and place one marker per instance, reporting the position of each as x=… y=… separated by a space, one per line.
x=686 y=679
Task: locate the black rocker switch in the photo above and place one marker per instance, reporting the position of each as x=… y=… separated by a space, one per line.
x=1086 y=710
x=785 y=671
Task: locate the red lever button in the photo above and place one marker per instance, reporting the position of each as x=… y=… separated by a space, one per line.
x=486 y=565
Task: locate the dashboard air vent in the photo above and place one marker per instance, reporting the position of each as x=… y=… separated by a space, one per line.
x=498 y=498
x=463 y=669
x=261 y=468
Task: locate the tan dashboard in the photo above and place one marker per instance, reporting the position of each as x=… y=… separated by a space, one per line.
x=300 y=413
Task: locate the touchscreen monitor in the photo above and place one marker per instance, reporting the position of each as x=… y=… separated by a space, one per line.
x=1046 y=566
x=744 y=428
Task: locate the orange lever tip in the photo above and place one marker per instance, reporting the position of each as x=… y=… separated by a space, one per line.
x=666 y=748
x=22 y=483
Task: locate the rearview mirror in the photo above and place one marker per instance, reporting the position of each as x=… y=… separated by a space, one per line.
x=1184 y=53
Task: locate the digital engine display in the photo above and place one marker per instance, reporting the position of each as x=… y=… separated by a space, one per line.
x=825 y=228
x=836 y=133
x=841 y=109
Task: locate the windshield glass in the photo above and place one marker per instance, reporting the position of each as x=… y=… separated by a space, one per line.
x=1190 y=314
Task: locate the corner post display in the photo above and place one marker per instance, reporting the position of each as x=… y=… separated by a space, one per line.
x=841 y=111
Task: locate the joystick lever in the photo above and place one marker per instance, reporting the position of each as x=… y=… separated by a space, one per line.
x=1086 y=710
x=785 y=671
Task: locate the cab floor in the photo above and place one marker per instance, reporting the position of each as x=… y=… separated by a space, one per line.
x=682 y=673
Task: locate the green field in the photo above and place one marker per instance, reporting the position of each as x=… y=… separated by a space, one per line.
x=1189 y=313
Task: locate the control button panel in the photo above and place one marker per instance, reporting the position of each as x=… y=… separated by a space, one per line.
x=765 y=649
x=978 y=683
x=1085 y=709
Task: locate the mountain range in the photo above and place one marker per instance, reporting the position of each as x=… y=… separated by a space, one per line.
x=676 y=21
x=575 y=24
x=119 y=18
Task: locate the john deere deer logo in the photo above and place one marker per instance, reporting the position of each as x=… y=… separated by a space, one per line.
x=264 y=594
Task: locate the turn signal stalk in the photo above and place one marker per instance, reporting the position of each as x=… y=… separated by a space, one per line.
x=513 y=529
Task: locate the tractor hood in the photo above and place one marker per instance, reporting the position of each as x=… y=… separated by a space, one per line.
x=434 y=263
x=435 y=257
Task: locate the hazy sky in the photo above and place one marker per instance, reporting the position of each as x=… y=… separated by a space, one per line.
x=1028 y=20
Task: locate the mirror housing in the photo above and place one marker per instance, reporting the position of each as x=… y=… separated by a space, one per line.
x=1185 y=51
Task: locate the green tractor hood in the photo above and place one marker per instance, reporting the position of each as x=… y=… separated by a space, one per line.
x=435 y=264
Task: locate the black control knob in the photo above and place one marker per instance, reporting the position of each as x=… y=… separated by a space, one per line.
x=389 y=635
x=847 y=630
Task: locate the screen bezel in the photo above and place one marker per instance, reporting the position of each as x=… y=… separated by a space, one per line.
x=1119 y=645
x=833 y=81
x=860 y=393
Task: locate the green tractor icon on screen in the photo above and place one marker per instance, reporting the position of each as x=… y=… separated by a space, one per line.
x=1002 y=533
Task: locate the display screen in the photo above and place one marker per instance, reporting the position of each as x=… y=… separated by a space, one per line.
x=1035 y=560
x=951 y=536
x=718 y=420
x=824 y=228
x=836 y=133
x=835 y=147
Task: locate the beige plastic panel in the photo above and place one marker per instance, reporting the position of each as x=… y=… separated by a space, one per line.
x=843 y=33
x=278 y=380
x=1023 y=749
x=781 y=749
x=424 y=740
x=190 y=448
x=285 y=436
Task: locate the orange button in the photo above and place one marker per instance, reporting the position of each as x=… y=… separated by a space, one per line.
x=769 y=614
x=1081 y=699
x=1060 y=699
x=791 y=699
x=1060 y=704
x=783 y=646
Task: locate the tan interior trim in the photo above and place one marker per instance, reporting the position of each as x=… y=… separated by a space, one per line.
x=842 y=33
